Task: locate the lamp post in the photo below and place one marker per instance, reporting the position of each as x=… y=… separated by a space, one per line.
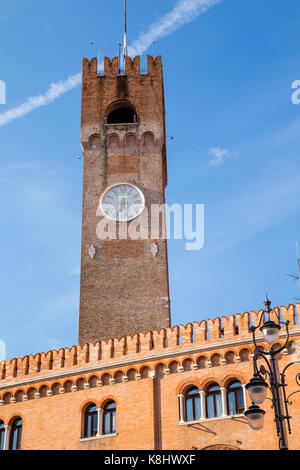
x=269 y=377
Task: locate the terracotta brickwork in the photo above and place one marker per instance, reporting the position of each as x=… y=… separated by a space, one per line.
x=144 y=375
x=124 y=288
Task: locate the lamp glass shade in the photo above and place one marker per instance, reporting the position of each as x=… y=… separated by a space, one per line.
x=257 y=394
x=255 y=417
x=257 y=390
x=270 y=333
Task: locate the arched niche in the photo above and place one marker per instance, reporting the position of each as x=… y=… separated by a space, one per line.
x=148 y=142
x=130 y=144
x=113 y=143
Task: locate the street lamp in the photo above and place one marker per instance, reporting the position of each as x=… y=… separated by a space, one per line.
x=258 y=385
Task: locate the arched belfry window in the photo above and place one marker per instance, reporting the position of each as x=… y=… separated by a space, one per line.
x=91 y=421
x=2 y=435
x=16 y=434
x=109 y=418
x=192 y=404
x=235 y=398
x=122 y=113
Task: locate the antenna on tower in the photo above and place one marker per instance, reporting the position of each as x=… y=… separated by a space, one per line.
x=125 y=30
x=298 y=269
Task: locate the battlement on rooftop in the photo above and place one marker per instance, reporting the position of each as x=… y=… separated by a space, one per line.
x=219 y=332
x=132 y=66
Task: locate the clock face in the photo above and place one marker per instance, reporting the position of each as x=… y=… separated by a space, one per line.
x=122 y=202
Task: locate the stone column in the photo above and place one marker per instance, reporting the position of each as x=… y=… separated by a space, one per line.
x=245 y=396
x=6 y=437
x=181 y=408
x=224 y=402
x=203 y=404
x=100 y=422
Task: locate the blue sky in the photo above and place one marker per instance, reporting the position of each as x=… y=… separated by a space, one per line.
x=228 y=75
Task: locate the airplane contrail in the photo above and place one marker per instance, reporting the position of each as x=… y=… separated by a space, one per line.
x=184 y=12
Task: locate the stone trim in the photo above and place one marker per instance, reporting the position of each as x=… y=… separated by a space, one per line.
x=206 y=420
x=104 y=436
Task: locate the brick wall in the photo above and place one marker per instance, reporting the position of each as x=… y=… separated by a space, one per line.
x=144 y=378
x=124 y=288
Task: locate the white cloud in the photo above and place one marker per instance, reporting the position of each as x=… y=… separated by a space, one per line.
x=218 y=155
x=184 y=12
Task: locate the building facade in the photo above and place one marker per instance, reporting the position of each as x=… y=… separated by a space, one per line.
x=133 y=381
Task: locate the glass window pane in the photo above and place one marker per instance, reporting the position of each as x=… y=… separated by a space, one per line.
x=240 y=400
x=14 y=439
x=189 y=409
x=1 y=440
x=197 y=408
x=234 y=385
x=107 y=423
x=210 y=406
x=92 y=409
x=213 y=388
x=89 y=426
x=114 y=422
x=19 y=438
x=16 y=434
x=110 y=405
x=95 y=424
x=231 y=403
x=219 y=407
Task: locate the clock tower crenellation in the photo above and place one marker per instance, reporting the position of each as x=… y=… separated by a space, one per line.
x=124 y=283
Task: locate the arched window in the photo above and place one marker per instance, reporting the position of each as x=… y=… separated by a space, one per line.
x=16 y=434
x=109 y=418
x=213 y=401
x=91 y=421
x=122 y=113
x=235 y=398
x=192 y=404
x=2 y=435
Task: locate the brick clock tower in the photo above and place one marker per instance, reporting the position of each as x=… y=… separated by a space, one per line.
x=124 y=287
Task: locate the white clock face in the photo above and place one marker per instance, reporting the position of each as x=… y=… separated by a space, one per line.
x=122 y=202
